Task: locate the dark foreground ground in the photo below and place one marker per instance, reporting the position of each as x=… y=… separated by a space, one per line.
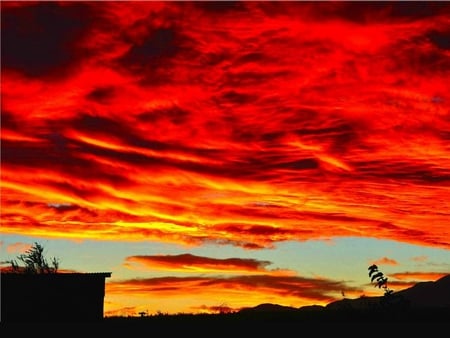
x=380 y=323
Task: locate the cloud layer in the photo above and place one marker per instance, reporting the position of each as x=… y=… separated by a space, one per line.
x=241 y=124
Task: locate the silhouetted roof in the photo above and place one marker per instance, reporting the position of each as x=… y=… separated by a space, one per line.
x=99 y=274
x=104 y=274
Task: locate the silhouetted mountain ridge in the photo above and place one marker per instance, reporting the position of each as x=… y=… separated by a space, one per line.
x=421 y=296
x=429 y=294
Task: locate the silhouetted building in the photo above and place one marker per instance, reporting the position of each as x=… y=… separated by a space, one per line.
x=57 y=297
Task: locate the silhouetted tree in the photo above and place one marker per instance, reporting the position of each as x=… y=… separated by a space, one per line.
x=34 y=261
x=379 y=279
x=391 y=301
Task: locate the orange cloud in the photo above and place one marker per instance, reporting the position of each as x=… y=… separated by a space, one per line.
x=385 y=261
x=415 y=277
x=419 y=259
x=197 y=264
x=19 y=248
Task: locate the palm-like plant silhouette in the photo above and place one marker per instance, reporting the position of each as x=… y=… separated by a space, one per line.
x=379 y=279
x=389 y=302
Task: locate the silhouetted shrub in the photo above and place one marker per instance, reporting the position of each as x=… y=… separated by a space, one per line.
x=34 y=262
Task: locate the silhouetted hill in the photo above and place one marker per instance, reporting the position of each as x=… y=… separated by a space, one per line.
x=425 y=301
x=429 y=294
x=268 y=307
x=422 y=295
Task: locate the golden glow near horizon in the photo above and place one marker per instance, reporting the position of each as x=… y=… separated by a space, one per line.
x=236 y=124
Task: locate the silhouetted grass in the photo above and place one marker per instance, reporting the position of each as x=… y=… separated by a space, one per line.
x=439 y=315
x=325 y=321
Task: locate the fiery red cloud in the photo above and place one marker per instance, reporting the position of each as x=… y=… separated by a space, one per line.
x=243 y=123
x=198 y=264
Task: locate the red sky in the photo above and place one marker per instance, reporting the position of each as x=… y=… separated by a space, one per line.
x=242 y=124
